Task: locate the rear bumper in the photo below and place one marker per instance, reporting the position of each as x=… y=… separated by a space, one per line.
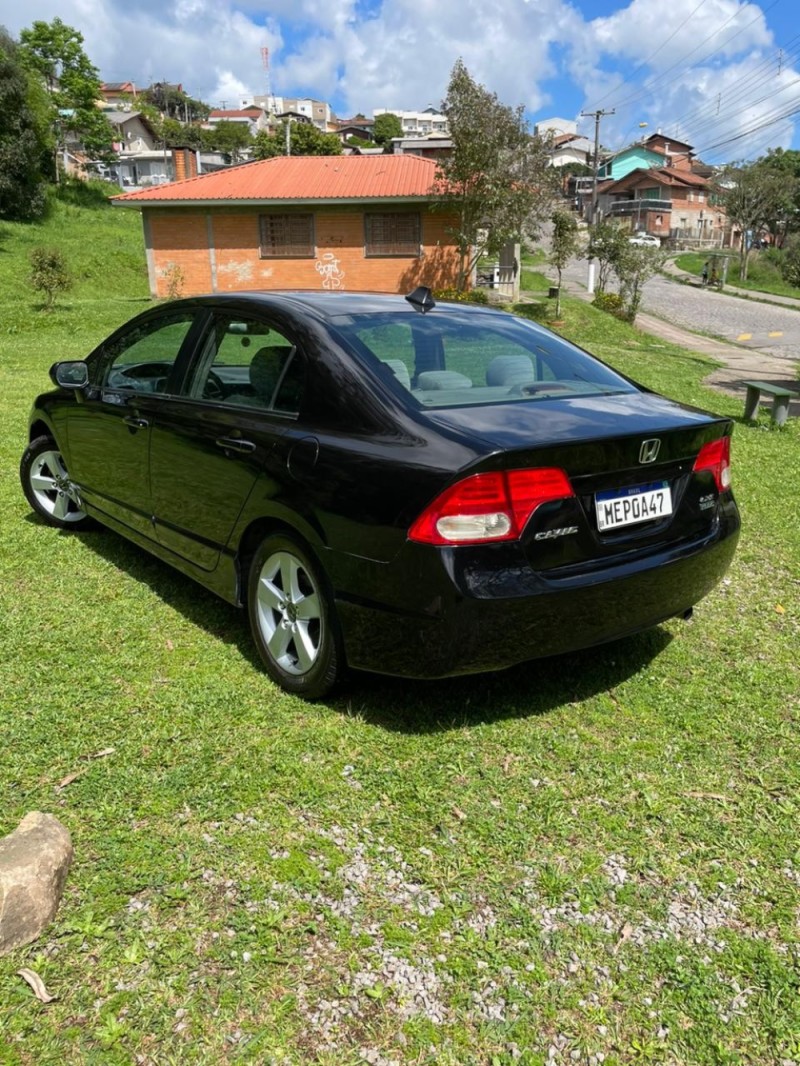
x=439 y=612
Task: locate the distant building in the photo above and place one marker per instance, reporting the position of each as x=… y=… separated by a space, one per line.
x=555 y=126
x=317 y=111
x=428 y=123
x=571 y=148
x=254 y=117
x=657 y=186
x=428 y=147
x=115 y=93
x=361 y=128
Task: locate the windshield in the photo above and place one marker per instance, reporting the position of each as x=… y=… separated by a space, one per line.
x=457 y=358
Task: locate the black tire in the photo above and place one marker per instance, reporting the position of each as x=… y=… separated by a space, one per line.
x=293 y=618
x=47 y=487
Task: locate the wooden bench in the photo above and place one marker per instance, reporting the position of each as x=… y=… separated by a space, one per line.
x=780 y=400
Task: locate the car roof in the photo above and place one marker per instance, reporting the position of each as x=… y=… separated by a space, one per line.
x=327 y=305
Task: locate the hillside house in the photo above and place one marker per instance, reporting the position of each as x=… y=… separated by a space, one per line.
x=658 y=187
x=310 y=222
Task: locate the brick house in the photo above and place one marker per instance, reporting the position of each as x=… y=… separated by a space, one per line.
x=309 y=222
x=666 y=201
x=658 y=186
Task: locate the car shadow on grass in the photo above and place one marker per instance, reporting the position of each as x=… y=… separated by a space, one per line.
x=530 y=689
x=400 y=704
x=197 y=604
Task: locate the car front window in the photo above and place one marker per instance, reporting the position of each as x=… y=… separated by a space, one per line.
x=142 y=359
x=458 y=358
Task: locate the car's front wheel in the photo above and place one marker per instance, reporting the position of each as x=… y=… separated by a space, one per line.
x=293 y=618
x=48 y=488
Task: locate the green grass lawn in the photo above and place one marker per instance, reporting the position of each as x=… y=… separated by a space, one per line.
x=762 y=276
x=596 y=854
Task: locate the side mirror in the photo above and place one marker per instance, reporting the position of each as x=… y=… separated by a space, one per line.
x=73 y=374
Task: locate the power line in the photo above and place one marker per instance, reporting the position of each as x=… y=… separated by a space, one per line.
x=705 y=113
x=647 y=90
x=769 y=120
x=652 y=55
x=726 y=117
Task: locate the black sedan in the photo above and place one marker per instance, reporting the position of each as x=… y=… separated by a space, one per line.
x=388 y=484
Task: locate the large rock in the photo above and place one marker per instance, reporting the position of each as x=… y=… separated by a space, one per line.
x=34 y=862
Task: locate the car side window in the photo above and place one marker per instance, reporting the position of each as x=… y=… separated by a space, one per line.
x=248 y=363
x=142 y=359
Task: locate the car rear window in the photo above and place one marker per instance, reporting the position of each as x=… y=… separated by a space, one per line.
x=446 y=359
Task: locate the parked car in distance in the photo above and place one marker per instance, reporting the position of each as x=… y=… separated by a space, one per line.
x=645 y=240
x=387 y=484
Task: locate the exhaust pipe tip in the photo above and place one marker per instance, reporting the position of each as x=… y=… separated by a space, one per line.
x=688 y=614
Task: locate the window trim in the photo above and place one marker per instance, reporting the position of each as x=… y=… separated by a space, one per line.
x=370 y=252
x=311 y=251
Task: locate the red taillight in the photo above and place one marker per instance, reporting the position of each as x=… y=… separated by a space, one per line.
x=489 y=507
x=716 y=457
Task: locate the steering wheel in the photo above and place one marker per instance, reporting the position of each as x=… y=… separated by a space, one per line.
x=213 y=389
x=136 y=374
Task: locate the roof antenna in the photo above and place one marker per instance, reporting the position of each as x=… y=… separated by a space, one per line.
x=421 y=299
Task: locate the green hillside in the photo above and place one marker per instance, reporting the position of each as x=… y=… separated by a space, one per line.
x=104 y=250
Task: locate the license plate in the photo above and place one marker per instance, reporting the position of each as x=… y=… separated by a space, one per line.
x=644 y=503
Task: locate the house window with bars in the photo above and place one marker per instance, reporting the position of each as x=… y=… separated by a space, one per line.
x=393 y=233
x=287 y=236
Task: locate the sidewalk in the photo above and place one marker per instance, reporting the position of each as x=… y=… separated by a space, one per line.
x=739 y=364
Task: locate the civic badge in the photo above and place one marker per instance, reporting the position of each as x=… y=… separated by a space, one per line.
x=648 y=453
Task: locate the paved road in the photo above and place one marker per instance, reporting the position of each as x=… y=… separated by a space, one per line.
x=767 y=327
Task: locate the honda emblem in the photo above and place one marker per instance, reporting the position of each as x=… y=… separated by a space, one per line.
x=648 y=453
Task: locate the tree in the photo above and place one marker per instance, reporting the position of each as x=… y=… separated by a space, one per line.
x=230 y=138
x=175 y=135
x=172 y=102
x=564 y=244
x=360 y=142
x=786 y=163
x=608 y=241
x=634 y=265
x=386 y=126
x=24 y=138
x=496 y=182
x=54 y=52
x=305 y=139
x=49 y=274
x=753 y=194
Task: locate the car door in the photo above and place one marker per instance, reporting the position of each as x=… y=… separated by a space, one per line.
x=211 y=444
x=109 y=433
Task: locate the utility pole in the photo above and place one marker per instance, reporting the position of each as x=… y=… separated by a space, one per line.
x=597 y=115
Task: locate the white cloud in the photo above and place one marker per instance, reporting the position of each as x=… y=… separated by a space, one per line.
x=361 y=54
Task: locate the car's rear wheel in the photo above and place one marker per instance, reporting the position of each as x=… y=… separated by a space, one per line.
x=293 y=619
x=48 y=487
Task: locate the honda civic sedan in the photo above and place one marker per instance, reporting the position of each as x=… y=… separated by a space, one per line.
x=388 y=484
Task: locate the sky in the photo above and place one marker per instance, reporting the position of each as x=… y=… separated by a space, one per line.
x=722 y=75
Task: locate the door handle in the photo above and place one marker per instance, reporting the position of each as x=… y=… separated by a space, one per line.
x=135 y=422
x=235 y=444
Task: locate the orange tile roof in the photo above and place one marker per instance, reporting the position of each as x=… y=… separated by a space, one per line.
x=301 y=179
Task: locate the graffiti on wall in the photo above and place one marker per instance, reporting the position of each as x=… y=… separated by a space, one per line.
x=327 y=266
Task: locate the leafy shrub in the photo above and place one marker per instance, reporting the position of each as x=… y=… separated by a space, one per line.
x=49 y=274
x=471 y=296
x=610 y=302
x=790 y=264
